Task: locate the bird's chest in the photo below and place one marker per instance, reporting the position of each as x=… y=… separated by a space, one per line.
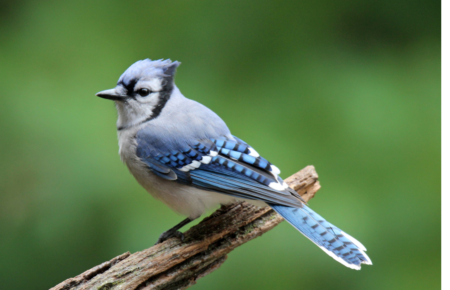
x=127 y=152
x=127 y=146
x=151 y=182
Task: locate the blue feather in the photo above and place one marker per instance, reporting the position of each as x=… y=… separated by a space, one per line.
x=240 y=151
x=329 y=238
x=219 y=178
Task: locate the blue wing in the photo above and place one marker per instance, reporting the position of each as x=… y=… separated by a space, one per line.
x=225 y=165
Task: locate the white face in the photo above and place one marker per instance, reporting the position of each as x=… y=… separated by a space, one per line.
x=141 y=103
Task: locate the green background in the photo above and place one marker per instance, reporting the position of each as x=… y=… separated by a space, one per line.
x=352 y=87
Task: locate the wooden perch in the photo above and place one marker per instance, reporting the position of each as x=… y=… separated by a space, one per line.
x=177 y=265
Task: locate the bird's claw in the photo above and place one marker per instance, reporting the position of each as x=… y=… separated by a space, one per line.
x=170 y=234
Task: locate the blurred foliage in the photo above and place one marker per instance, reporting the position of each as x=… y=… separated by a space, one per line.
x=352 y=87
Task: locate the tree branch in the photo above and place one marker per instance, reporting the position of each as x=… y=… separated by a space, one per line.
x=177 y=265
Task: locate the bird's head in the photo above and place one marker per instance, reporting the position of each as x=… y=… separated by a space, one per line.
x=142 y=90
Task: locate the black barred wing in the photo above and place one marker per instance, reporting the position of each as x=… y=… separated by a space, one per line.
x=222 y=165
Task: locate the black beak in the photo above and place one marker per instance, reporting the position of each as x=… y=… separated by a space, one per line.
x=111 y=95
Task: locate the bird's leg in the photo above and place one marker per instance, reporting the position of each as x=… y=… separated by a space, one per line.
x=173 y=232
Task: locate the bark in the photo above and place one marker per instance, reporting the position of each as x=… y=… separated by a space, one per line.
x=174 y=264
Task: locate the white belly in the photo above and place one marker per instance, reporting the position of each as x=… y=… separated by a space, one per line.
x=186 y=200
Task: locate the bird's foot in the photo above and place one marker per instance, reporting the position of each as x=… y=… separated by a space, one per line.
x=170 y=234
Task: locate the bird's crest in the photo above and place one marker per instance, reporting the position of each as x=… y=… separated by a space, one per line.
x=149 y=69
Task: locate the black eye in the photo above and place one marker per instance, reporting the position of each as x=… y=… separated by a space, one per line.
x=143 y=92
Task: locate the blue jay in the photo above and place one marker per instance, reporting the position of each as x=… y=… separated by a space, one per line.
x=184 y=154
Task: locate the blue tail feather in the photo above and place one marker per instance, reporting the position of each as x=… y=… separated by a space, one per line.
x=333 y=241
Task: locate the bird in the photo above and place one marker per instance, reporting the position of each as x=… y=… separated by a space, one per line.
x=184 y=154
